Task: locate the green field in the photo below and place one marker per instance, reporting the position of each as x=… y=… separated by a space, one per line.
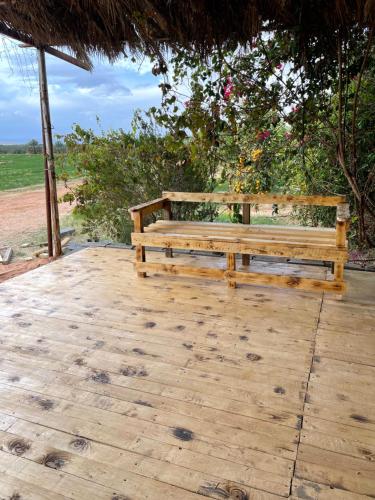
x=20 y=170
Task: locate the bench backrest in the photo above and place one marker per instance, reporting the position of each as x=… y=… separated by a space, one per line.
x=265 y=198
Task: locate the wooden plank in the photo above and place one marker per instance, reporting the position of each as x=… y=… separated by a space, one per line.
x=285 y=281
x=240 y=245
x=140 y=256
x=231 y=266
x=134 y=435
x=14 y=488
x=308 y=490
x=56 y=482
x=288 y=399
x=342 y=445
x=168 y=216
x=179 y=270
x=236 y=231
x=267 y=198
x=136 y=461
x=329 y=231
x=149 y=207
x=341 y=471
x=297 y=231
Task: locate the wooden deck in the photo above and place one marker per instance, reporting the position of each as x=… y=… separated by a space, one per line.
x=120 y=388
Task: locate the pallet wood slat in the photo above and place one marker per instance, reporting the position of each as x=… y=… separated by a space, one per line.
x=285 y=281
x=148 y=207
x=241 y=245
x=266 y=198
x=180 y=270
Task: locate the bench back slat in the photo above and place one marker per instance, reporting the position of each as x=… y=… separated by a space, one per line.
x=266 y=198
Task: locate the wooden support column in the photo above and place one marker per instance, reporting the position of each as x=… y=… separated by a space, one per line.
x=341 y=227
x=48 y=201
x=245 y=220
x=140 y=254
x=231 y=266
x=47 y=136
x=168 y=216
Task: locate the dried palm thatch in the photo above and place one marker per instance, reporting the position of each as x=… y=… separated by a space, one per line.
x=112 y=27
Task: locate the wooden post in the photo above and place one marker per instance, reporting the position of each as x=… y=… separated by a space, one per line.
x=140 y=255
x=47 y=196
x=168 y=216
x=245 y=220
x=231 y=266
x=341 y=226
x=47 y=136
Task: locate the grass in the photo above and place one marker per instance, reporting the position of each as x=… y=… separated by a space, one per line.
x=21 y=170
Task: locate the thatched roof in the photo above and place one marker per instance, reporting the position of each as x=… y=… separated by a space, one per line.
x=110 y=27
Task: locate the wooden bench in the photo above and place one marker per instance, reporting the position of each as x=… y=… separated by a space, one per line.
x=324 y=244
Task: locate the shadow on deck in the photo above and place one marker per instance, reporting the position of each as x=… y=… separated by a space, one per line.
x=114 y=387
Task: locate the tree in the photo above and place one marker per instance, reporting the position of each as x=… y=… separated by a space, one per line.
x=274 y=118
x=33 y=147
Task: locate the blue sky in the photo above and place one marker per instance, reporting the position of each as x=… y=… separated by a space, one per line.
x=110 y=91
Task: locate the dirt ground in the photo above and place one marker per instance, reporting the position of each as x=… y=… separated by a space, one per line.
x=23 y=213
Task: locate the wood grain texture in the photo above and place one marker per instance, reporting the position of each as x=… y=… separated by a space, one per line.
x=266 y=198
x=113 y=387
x=243 y=245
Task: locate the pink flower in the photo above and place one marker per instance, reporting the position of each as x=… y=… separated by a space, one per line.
x=288 y=136
x=279 y=66
x=295 y=109
x=262 y=136
x=187 y=104
x=228 y=88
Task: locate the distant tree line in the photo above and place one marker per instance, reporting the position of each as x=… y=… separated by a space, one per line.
x=32 y=147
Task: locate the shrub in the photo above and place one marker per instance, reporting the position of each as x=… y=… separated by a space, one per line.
x=119 y=170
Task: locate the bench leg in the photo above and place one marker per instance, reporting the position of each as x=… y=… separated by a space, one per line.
x=338 y=271
x=231 y=266
x=168 y=216
x=139 y=249
x=140 y=256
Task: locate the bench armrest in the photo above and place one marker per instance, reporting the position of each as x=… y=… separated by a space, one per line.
x=148 y=207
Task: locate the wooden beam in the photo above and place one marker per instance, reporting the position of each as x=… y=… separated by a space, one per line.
x=285 y=281
x=231 y=266
x=149 y=207
x=140 y=254
x=241 y=245
x=180 y=270
x=267 y=198
x=29 y=42
x=47 y=194
x=47 y=137
x=68 y=58
x=168 y=216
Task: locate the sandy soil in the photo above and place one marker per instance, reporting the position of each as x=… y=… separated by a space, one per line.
x=22 y=214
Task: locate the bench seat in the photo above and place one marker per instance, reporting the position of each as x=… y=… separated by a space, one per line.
x=297 y=234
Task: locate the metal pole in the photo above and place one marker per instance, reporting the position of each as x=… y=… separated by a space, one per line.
x=47 y=136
